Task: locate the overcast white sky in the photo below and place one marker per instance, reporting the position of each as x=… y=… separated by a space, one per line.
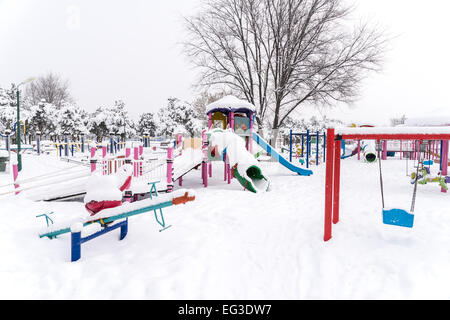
x=129 y=50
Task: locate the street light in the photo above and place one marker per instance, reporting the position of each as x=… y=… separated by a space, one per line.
x=19 y=156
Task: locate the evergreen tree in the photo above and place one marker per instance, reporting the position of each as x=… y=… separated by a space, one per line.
x=7 y=110
x=147 y=124
x=71 y=121
x=43 y=118
x=97 y=124
x=178 y=116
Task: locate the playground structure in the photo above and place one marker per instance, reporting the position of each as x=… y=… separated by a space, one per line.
x=162 y=161
x=305 y=151
x=236 y=116
x=333 y=163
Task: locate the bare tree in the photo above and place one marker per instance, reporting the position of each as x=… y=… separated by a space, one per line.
x=49 y=87
x=282 y=54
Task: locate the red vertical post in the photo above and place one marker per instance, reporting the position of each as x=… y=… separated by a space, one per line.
x=93 y=159
x=135 y=164
x=444 y=153
x=384 y=150
x=15 y=176
x=104 y=163
x=336 y=180
x=329 y=185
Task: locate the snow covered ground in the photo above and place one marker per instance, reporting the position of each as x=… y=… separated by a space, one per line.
x=231 y=244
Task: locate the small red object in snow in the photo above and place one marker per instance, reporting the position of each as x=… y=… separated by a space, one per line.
x=95 y=207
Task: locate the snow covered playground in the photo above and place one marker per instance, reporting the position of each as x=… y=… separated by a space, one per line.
x=355 y=212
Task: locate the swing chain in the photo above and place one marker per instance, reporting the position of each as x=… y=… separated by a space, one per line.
x=413 y=202
x=378 y=149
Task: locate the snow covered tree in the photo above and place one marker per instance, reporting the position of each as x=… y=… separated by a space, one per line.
x=43 y=117
x=147 y=124
x=97 y=123
x=7 y=110
x=71 y=121
x=114 y=119
x=178 y=116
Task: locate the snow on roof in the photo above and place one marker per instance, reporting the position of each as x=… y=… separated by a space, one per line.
x=230 y=103
x=428 y=121
x=394 y=130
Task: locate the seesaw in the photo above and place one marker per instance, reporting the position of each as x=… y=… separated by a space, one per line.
x=81 y=231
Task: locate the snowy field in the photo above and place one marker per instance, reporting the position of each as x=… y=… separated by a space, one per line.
x=231 y=244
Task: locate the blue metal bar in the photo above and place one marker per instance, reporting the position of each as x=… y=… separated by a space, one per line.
x=317 y=148
x=77 y=240
x=66 y=147
x=38 y=144
x=307 y=148
x=105 y=230
x=303 y=145
x=82 y=143
x=7 y=142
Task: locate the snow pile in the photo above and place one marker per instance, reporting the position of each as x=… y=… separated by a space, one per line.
x=230 y=103
x=102 y=188
x=107 y=188
x=230 y=244
x=235 y=148
x=393 y=130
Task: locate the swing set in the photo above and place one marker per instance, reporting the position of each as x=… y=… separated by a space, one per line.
x=395 y=216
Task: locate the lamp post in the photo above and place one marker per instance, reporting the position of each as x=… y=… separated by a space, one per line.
x=19 y=156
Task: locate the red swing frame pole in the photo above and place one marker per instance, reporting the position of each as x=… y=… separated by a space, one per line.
x=336 y=179
x=333 y=163
x=329 y=185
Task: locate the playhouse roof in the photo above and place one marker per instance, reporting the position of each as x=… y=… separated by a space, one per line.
x=230 y=103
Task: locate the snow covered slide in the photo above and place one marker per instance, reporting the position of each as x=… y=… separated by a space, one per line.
x=244 y=166
x=260 y=141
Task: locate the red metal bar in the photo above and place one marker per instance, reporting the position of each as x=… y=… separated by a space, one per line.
x=336 y=180
x=329 y=185
x=444 y=160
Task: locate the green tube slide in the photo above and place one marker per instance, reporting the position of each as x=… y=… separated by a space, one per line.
x=257 y=180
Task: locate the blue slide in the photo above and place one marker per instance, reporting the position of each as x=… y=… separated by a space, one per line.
x=274 y=154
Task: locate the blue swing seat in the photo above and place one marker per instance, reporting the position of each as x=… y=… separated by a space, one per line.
x=398 y=217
